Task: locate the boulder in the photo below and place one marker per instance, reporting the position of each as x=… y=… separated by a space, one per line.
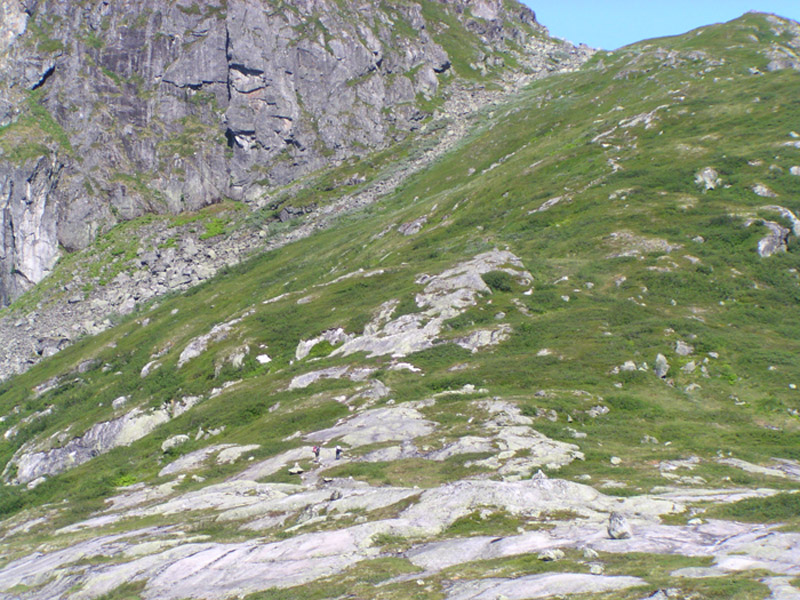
x=175 y=440
x=662 y=366
x=708 y=178
x=618 y=527
x=761 y=190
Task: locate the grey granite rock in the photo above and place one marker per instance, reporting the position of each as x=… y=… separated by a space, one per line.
x=161 y=107
x=618 y=527
x=313 y=104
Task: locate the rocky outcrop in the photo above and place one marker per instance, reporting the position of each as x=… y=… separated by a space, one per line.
x=618 y=527
x=174 y=258
x=661 y=366
x=778 y=237
x=445 y=296
x=708 y=178
x=29 y=245
x=114 y=110
x=34 y=461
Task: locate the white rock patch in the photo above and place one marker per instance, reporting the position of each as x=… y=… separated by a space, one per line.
x=352 y=373
x=445 y=295
x=377 y=425
x=199 y=344
x=33 y=460
x=332 y=336
x=540 y=586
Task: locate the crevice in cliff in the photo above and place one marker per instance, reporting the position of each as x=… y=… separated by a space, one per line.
x=230 y=138
x=442 y=67
x=228 y=60
x=249 y=71
x=45 y=76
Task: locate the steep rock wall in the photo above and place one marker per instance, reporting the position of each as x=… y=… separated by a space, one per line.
x=114 y=109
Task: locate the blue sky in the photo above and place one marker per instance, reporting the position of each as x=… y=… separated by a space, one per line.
x=610 y=24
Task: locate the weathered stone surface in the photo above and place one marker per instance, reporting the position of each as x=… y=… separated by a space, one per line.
x=551 y=555
x=352 y=373
x=413 y=227
x=35 y=459
x=28 y=224
x=170 y=108
x=540 y=586
x=192 y=460
x=628 y=243
x=483 y=338
x=375 y=426
x=391 y=453
x=708 y=178
x=332 y=336
x=216 y=570
x=782 y=588
x=464 y=445
x=199 y=344
x=762 y=190
x=775 y=241
x=782 y=468
x=175 y=440
x=661 y=367
x=232 y=454
x=223 y=570
x=445 y=295
x=274 y=464
x=786 y=214
x=618 y=527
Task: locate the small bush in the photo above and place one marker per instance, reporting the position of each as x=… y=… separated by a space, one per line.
x=406 y=306
x=124 y=480
x=214 y=228
x=320 y=349
x=475 y=524
x=498 y=281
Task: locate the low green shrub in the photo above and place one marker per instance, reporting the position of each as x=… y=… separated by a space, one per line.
x=498 y=281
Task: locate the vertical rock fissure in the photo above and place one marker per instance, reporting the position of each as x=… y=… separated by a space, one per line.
x=228 y=57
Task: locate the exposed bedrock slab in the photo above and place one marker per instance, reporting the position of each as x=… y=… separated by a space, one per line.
x=378 y=425
x=444 y=296
x=540 y=586
x=735 y=546
x=35 y=459
x=215 y=570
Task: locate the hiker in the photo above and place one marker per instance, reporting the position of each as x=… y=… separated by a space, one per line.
x=316 y=450
x=338 y=452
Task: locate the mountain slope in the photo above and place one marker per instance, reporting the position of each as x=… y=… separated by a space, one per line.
x=115 y=110
x=587 y=308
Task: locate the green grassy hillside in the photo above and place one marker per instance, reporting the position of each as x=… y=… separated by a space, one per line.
x=590 y=180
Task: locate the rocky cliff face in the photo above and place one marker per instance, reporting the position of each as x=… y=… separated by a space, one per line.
x=113 y=110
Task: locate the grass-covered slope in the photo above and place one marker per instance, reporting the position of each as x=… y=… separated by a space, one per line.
x=590 y=179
